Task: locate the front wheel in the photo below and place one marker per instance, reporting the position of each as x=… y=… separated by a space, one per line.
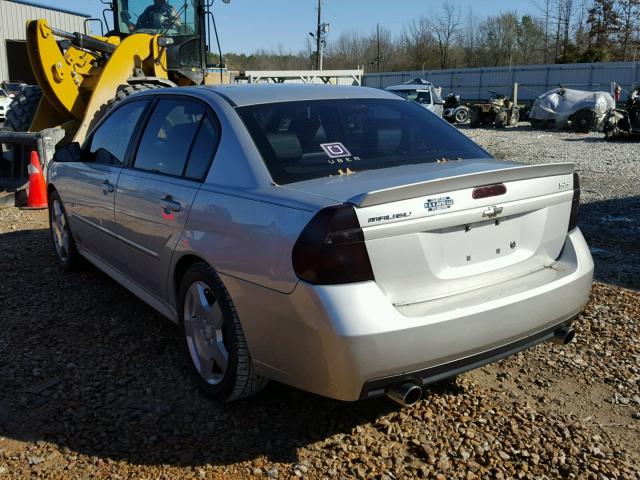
x=63 y=243
x=583 y=121
x=215 y=345
x=502 y=118
x=462 y=115
x=23 y=109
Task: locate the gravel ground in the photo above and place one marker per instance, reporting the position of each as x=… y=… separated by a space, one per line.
x=93 y=384
x=610 y=181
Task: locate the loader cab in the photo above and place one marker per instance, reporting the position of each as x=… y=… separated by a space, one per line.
x=183 y=21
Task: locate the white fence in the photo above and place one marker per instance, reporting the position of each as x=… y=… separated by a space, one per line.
x=476 y=83
x=326 y=77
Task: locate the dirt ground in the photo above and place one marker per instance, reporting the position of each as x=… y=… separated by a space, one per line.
x=93 y=385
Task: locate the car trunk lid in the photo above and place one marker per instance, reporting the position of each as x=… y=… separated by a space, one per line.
x=428 y=237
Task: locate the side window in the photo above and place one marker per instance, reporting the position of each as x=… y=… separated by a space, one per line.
x=424 y=98
x=202 y=151
x=167 y=139
x=110 y=141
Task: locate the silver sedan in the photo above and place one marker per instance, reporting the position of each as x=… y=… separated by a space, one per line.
x=342 y=240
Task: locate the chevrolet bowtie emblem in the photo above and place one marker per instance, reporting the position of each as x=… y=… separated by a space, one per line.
x=492 y=212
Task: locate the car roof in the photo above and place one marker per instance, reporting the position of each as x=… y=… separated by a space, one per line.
x=244 y=95
x=413 y=86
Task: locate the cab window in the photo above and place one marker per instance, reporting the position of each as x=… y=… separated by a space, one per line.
x=165 y=17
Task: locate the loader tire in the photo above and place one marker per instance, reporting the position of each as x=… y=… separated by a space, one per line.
x=124 y=91
x=23 y=109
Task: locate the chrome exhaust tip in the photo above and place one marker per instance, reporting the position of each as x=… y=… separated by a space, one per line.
x=563 y=335
x=406 y=394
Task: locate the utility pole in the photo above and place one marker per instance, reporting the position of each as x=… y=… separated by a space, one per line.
x=320 y=37
x=378 y=30
x=319 y=51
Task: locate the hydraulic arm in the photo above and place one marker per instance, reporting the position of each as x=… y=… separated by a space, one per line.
x=80 y=73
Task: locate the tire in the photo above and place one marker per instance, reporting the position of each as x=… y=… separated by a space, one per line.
x=612 y=134
x=502 y=118
x=461 y=115
x=124 y=91
x=63 y=244
x=476 y=118
x=583 y=121
x=23 y=109
x=206 y=312
x=515 y=117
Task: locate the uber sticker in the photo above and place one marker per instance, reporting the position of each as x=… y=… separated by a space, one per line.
x=440 y=203
x=335 y=150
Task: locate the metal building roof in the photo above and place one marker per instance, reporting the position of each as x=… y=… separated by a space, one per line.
x=49 y=7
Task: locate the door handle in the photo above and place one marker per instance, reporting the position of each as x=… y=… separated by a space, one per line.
x=108 y=187
x=169 y=204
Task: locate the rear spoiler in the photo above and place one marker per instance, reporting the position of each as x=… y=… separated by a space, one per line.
x=443 y=185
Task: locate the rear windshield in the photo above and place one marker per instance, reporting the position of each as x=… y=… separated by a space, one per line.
x=321 y=138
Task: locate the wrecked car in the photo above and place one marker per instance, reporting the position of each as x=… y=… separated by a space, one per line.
x=579 y=110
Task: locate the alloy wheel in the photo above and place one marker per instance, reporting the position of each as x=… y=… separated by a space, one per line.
x=203 y=322
x=60 y=230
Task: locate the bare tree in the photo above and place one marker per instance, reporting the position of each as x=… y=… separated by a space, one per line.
x=499 y=39
x=446 y=29
x=544 y=7
x=470 y=41
x=629 y=26
x=418 y=44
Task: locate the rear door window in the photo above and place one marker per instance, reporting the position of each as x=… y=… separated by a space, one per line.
x=168 y=136
x=109 y=143
x=203 y=150
x=320 y=138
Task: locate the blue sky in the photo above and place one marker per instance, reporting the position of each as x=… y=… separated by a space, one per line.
x=247 y=25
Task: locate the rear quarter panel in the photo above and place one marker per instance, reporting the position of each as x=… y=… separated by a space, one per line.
x=248 y=238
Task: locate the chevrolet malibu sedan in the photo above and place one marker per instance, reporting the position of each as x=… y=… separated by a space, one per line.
x=342 y=240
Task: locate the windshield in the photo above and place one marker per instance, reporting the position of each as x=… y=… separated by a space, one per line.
x=167 y=17
x=420 y=96
x=321 y=138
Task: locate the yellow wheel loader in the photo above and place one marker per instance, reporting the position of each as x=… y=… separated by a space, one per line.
x=153 y=44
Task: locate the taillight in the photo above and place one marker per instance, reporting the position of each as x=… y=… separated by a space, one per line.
x=573 y=219
x=489 y=191
x=331 y=249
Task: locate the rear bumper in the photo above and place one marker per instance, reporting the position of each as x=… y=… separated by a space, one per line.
x=379 y=386
x=349 y=342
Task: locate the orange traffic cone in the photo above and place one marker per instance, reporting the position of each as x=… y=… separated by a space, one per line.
x=37 y=191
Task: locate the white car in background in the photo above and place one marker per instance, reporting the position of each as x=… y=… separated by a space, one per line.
x=5 y=104
x=421 y=91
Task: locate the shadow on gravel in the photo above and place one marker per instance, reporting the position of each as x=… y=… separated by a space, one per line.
x=581 y=138
x=612 y=230
x=87 y=366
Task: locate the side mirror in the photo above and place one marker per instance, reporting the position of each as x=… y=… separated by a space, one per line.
x=439 y=102
x=69 y=153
